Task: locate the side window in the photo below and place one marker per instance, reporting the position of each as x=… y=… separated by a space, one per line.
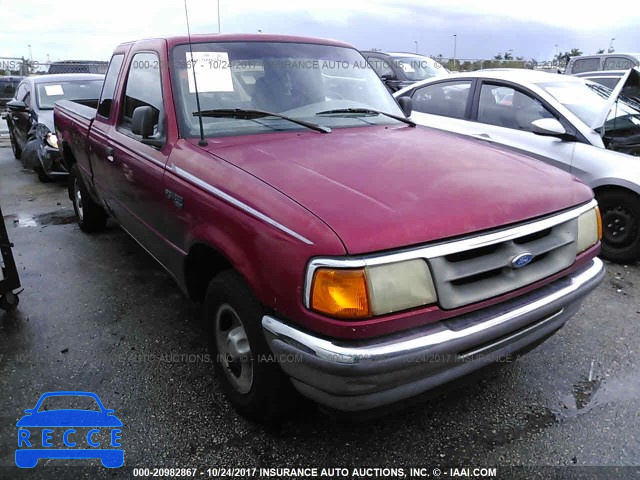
x=448 y=99
x=144 y=88
x=506 y=107
x=586 y=65
x=617 y=63
x=380 y=66
x=109 y=86
x=21 y=91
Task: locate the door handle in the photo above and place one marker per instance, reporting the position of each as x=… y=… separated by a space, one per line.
x=482 y=136
x=109 y=151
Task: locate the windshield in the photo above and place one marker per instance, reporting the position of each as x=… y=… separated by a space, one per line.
x=50 y=93
x=293 y=79
x=420 y=68
x=587 y=100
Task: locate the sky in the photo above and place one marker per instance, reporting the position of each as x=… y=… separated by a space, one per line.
x=72 y=30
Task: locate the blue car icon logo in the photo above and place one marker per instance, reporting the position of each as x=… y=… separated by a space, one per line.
x=69 y=433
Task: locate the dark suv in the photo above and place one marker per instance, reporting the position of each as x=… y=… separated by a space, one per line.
x=8 y=87
x=78 y=66
x=399 y=70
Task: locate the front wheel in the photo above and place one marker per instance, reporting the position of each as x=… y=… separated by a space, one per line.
x=252 y=381
x=15 y=148
x=42 y=175
x=620 y=212
x=91 y=217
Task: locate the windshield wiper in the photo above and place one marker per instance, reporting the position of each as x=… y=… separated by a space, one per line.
x=368 y=111
x=252 y=114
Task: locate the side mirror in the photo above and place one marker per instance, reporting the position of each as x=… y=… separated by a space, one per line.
x=406 y=104
x=548 y=127
x=142 y=121
x=17 y=106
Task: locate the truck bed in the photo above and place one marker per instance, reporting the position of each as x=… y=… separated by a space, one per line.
x=72 y=122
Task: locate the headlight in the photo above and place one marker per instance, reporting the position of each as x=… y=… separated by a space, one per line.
x=52 y=140
x=374 y=290
x=589 y=229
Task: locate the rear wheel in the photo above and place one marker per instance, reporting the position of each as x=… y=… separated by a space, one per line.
x=620 y=212
x=252 y=381
x=91 y=217
x=9 y=301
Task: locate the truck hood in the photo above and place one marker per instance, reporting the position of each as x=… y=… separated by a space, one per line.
x=383 y=187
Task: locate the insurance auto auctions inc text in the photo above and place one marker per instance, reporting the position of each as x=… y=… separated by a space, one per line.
x=352 y=472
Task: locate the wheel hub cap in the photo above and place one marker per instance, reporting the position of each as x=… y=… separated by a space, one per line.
x=234 y=349
x=78 y=199
x=618 y=226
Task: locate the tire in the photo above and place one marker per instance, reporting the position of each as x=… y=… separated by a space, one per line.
x=91 y=217
x=15 y=148
x=42 y=175
x=9 y=302
x=257 y=389
x=620 y=212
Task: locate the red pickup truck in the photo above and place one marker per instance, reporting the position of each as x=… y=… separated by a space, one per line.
x=337 y=247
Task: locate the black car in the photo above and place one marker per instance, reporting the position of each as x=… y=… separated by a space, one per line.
x=8 y=87
x=30 y=117
x=399 y=70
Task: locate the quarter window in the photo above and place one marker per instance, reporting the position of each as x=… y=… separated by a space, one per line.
x=109 y=87
x=506 y=107
x=144 y=88
x=448 y=99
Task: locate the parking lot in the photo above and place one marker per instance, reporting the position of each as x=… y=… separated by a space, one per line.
x=98 y=314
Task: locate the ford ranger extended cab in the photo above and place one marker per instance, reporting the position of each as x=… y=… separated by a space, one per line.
x=336 y=247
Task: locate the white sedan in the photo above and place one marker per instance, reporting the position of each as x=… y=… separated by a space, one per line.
x=578 y=126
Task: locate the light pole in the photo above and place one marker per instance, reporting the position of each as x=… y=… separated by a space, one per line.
x=218 y=16
x=455 y=46
x=611 y=46
x=416 y=42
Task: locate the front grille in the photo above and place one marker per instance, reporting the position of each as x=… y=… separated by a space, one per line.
x=474 y=275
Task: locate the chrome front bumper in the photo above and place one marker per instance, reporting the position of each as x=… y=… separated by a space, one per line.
x=361 y=375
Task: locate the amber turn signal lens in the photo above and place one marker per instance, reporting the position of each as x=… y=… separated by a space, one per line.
x=599 y=221
x=340 y=293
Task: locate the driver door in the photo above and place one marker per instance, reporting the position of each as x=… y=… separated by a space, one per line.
x=504 y=114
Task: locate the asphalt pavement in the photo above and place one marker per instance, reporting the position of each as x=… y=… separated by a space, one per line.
x=98 y=314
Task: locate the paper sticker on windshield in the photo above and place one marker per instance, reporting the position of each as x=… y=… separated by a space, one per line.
x=213 y=72
x=53 y=90
x=407 y=67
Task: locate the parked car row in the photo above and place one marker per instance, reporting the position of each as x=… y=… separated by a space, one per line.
x=340 y=251
x=30 y=118
x=581 y=127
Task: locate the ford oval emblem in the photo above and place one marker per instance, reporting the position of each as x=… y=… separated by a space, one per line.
x=522 y=260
